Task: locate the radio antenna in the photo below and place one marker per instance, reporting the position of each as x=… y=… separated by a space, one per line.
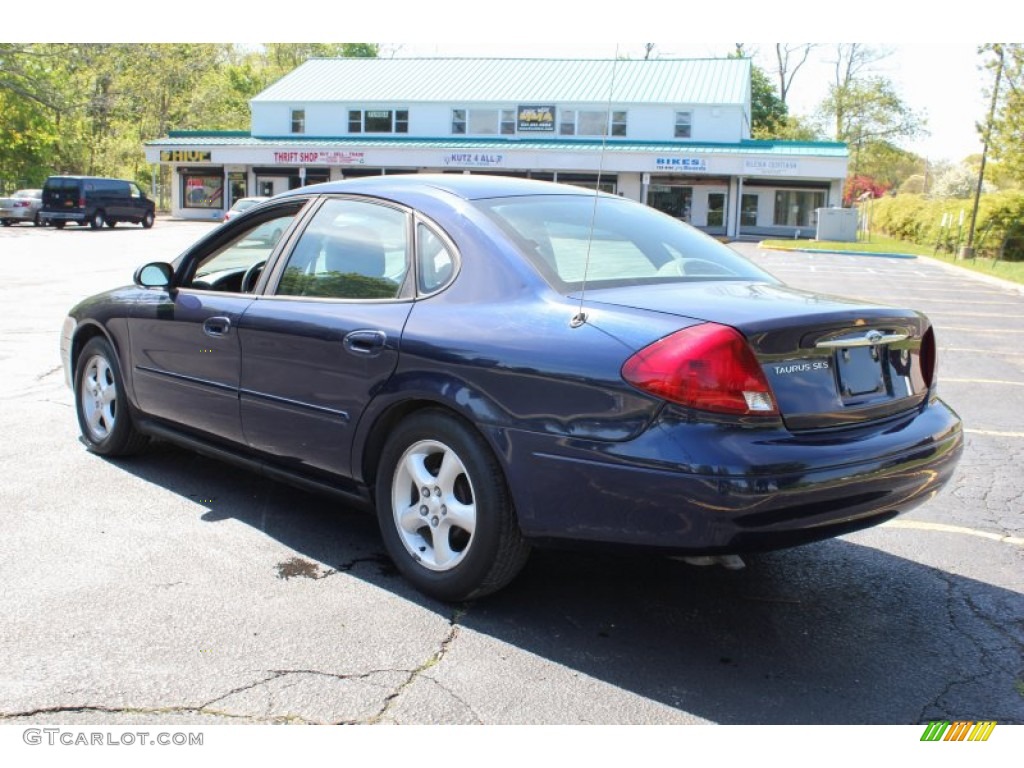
x=581 y=317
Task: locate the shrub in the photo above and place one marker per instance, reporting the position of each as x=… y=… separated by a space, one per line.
x=999 y=230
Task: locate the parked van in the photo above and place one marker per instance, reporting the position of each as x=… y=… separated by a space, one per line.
x=95 y=201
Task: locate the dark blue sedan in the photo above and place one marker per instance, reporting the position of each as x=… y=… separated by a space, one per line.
x=492 y=363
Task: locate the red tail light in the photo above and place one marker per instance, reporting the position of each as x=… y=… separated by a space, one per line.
x=709 y=367
x=928 y=357
x=81 y=202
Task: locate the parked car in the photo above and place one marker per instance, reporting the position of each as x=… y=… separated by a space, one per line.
x=242 y=204
x=95 y=201
x=491 y=363
x=22 y=206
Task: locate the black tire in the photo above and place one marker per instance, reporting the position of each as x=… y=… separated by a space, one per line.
x=36 y=221
x=111 y=224
x=101 y=403
x=59 y=224
x=6 y=222
x=441 y=558
x=147 y=220
x=96 y=222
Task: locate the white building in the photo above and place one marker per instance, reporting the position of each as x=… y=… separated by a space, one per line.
x=672 y=133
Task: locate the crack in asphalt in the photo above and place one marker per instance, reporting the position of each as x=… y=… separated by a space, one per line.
x=433 y=661
x=208 y=708
x=987 y=656
x=202 y=710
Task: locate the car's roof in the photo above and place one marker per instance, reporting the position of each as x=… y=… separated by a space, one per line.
x=466 y=186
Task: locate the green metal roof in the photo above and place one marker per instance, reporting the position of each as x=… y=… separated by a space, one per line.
x=236 y=139
x=564 y=81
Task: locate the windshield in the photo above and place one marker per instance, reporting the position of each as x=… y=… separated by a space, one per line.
x=628 y=243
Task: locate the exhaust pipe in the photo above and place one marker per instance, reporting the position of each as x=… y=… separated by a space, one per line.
x=729 y=562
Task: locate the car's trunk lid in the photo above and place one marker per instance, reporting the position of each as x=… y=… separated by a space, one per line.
x=830 y=361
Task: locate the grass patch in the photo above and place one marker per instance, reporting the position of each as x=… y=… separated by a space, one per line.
x=1007 y=270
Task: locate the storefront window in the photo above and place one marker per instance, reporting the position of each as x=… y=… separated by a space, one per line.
x=716 y=209
x=203 y=191
x=797 y=208
x=236 y=183
x=675 y=201
x=748 y=211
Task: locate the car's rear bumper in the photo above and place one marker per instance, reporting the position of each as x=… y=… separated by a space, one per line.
x=705 y=488
x=61 y=216
x=17 y=214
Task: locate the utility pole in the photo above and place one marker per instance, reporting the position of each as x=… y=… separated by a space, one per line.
x=967 y=252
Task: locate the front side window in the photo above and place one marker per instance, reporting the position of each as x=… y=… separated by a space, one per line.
x=350 y=250
x=298 y=121
x=226 y=268
x=684 y=125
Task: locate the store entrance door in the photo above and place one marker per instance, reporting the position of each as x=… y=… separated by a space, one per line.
x=675 y=201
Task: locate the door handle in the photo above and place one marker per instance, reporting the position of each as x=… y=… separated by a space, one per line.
x=364 y=342
x=217 y=326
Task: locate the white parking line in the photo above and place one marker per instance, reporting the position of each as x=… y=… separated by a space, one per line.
x=993 y=433
x=941 y=527
x=946 y=379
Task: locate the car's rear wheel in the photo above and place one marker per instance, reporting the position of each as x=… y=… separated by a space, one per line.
x=6 y=222
x=36 y=221
x=445 y=511
x=96 y=222
x=101 y=404
x=147 y=220
x=59 y=224
x=111 y=224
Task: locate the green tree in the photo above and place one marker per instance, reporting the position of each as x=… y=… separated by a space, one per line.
x=863 y=109
x=768 y=113
x=1007 y=137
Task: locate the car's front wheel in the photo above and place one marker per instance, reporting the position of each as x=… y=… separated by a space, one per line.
x=445 y=511
x=96 y=222
x=101 y=404
x=147 y=220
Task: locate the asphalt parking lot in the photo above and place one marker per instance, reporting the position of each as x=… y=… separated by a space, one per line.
x=171 y=589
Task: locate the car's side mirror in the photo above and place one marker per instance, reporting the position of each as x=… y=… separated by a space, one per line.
x=157 y=274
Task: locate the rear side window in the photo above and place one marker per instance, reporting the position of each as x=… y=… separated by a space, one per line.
x=350 y=250
x=435 y=263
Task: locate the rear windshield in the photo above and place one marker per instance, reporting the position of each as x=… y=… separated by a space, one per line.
x=612 y=242
x=59 y=184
